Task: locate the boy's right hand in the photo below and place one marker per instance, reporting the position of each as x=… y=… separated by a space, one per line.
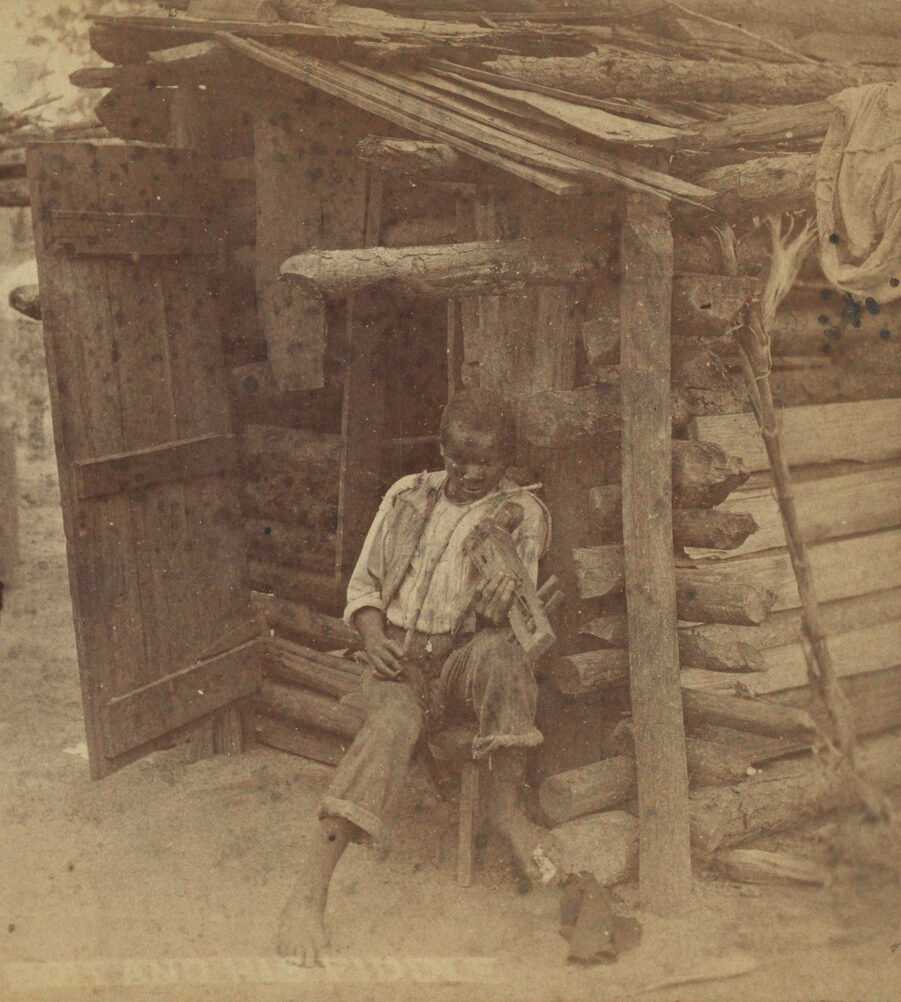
x=383 y=654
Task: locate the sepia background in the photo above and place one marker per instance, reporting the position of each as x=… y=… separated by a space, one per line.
x=184 y=856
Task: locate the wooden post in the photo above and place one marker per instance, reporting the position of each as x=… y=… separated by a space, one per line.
x=368 y=316
x=9 y=504
x=469 y=821
x=645 y=304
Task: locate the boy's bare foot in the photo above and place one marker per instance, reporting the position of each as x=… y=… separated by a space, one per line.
x=301 y=927
x=302 y=935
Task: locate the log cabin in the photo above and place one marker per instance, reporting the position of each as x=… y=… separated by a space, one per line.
x=312 y=224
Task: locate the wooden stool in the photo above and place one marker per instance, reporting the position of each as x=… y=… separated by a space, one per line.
x=454 y=745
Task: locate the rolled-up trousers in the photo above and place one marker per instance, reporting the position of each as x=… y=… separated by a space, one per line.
x=484 y=676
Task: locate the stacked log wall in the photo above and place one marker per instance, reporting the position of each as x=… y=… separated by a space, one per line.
x=829 y=350
x=837 y=376
x=846 y=461
x=292 y=437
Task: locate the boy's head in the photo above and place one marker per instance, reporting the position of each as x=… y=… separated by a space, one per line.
x=476 y=443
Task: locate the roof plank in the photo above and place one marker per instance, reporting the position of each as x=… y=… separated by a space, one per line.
x=422 y=121
x=593 y=121
x=555 y=151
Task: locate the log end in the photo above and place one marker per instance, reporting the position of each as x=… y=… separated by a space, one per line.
x=757 y=866
x=732 y=479
x=581 y=674
x=605 y=845
x=745 y=525
x=704 y=475
x=555 y=800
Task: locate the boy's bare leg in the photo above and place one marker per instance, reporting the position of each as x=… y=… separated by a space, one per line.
x=302 y=932
x=509 y=817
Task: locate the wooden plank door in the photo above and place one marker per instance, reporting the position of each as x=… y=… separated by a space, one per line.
x=128 y=248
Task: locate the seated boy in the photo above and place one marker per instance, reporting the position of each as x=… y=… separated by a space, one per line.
x=436 y=638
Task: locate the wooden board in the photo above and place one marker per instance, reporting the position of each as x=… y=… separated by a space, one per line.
x=135 y=363
x=177 y=699
x=517 y=148
x=842 y=568
x=841 y=505
x=875 y=699
x=783 y=628
x=147 y=234
x=727 y=648
x=857 y=652
x=205 y=456
x=865 y=432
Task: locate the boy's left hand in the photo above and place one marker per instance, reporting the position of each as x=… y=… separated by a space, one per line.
x=495 y=597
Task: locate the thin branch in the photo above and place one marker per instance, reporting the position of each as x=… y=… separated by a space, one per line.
x=790 y=247
x=797 y=56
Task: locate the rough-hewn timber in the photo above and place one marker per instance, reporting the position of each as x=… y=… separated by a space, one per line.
x=752 y=715
x=786 y=795
x=705 y=594
x=447 y=270
x=646 y=252
x=614 y=73
x=714 y=648
x=694 y=527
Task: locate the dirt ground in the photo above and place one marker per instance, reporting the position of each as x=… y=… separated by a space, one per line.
x=164 y=881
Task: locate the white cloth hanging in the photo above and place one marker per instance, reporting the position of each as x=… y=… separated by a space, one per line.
x=858 y=193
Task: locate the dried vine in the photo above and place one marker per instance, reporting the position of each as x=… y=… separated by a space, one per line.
x=789 y=247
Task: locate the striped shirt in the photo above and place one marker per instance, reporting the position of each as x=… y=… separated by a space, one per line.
x=454 y=579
